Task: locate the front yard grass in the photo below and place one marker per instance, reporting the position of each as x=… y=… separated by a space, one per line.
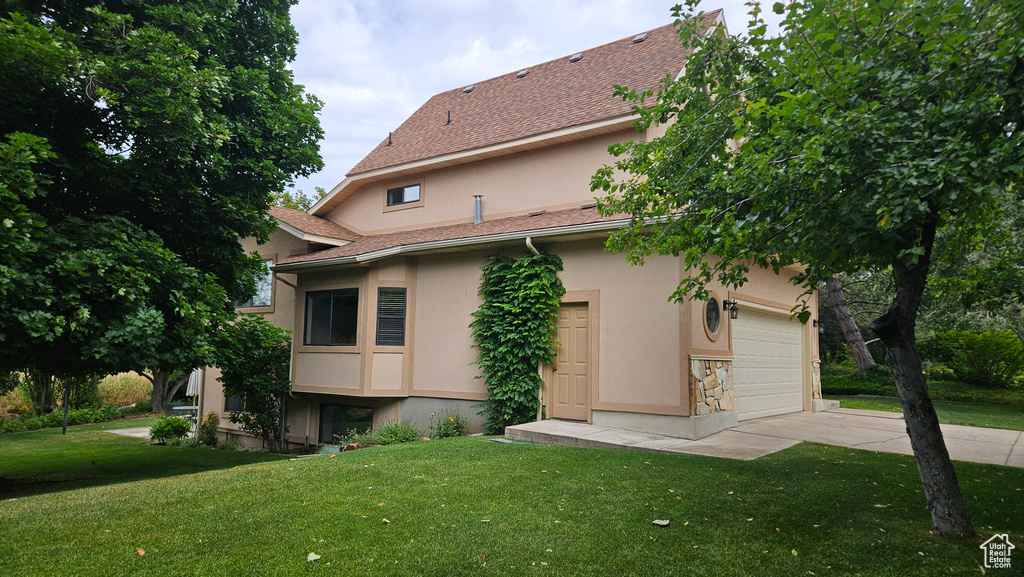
x=950 y=413
x=45 y=461
x=469 y=506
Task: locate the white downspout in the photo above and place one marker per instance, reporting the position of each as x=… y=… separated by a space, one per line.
x=529 y=245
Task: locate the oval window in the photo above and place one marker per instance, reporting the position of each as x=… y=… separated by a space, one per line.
x=712 y=315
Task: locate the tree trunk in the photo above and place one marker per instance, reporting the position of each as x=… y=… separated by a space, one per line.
x=42 y=390
x=174 y=390
x=159 y=380
x=841 y=308
x=1018 y=323
x=896 y=330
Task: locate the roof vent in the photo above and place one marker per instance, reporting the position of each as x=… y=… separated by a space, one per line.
x=468 y=89
x=522 y=73
x=576 y=57
x=639 y=38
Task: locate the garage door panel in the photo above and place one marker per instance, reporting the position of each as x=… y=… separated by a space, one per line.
x=768 y=364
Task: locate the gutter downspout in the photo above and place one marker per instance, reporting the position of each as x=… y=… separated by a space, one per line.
x=529 y=245
x=540 y=365
x=478 y=215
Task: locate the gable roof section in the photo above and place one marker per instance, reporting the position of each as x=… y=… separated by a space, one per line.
x=311 y=228
x=553 y=96
x=369 y=248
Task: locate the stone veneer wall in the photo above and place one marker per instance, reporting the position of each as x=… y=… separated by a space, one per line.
x=815 y=379
x=711 y=384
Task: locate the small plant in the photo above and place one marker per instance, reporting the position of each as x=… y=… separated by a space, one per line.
x=448 y=424
x=389 y=434
x=168 y=428
x=208 y=430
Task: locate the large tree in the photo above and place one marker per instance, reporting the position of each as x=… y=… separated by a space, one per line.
x=141 y=141
x=846 y=143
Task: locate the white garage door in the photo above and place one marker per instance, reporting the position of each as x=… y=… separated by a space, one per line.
x=767 y=363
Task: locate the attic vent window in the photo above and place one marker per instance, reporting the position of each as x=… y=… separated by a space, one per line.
x=522 y=73
x=639 y=38
x=468 y=89
x=576 y=57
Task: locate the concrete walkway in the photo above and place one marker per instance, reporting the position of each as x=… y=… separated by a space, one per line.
x=871 y=430
x=140 y=432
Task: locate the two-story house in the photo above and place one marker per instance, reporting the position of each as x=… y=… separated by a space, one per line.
x=379 y=279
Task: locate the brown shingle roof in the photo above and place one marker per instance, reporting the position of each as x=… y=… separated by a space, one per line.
x=411 y=238
x=312 y=224
x=553 y=95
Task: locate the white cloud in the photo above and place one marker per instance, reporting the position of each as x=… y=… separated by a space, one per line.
x=373 y=63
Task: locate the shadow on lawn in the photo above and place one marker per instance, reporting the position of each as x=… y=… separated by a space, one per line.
x=43 y=462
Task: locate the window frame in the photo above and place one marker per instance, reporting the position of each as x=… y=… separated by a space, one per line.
x=307 y=327
x=405 y=204
x=230 y=397
x=404 y=316
x=247 y=305
x=713 y=335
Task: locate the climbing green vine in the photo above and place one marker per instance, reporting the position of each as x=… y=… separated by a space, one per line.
x=512 y=330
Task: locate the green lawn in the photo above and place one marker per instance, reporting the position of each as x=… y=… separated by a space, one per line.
x=470 y=506
x=44 y=461
x=950 y=413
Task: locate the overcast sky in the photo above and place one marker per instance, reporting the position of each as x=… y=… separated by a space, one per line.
x=373 y=63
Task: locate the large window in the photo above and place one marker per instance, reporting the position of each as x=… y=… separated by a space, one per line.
x=331 y=317
x=391 y=317
x=337 y=422
x=403 y=194
x=264 y=290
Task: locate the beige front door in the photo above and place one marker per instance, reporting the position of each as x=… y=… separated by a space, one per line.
x=571 y=394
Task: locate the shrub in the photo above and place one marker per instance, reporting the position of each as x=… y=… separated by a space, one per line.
x=846 y=380
x=168 y=428
x=125 y=389
x=448 y=424
x=991 y=359
x=208 y=430
x=11 y=426
x=390 y=434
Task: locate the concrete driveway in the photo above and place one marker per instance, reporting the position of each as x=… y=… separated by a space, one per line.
x=871 y=430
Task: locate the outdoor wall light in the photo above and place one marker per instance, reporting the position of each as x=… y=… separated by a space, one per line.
x=820 y=325
x=730 y=306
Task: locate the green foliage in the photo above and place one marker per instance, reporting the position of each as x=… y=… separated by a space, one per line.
x=139 y=142
x=298 y=200
x=512 y=330
x=56 y=419
x=991 y=359
x=208 y=430
x=254 y=357
x=845 y=379
x=448 y=424
x=169 y=428
x=860 y=127
x=389 y=434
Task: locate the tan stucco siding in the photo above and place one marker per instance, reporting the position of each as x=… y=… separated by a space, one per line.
x=639 y=347
x=324 y=372
x=446 y=295
x=550 y=178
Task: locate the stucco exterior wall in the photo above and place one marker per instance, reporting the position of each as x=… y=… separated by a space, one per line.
x=551 y=178
x=446 y=294
x=639 y=367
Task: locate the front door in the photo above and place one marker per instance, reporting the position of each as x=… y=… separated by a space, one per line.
x=571 y=395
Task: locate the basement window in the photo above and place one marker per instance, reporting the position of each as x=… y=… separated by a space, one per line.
x=403 y=195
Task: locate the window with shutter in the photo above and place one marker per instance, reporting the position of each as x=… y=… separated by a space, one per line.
x=391 y=317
